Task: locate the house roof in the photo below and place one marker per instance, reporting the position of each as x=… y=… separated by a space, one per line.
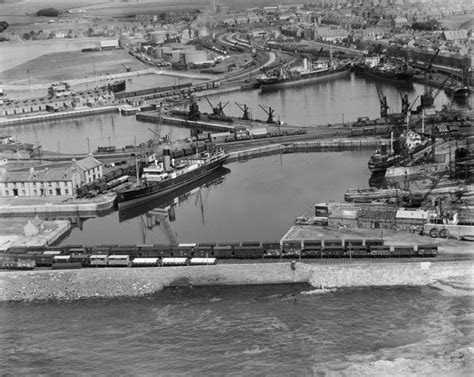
x=453 y=35
x=47 y=175
x=88 y=163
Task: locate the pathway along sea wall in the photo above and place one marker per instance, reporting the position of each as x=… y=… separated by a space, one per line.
x=123 y=282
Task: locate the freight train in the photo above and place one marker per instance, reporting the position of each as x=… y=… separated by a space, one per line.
x=78 y=256
x=164 y=91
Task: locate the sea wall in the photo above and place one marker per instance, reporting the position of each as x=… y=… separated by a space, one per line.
x=116 y=282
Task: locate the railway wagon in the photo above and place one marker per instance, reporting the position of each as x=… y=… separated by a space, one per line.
x=248 y=252
x=313 y=252
x=202 y=261
x=130 y=250
x=61 y=259
x=427 y=250
x=184 y=249
x=272 y=249
x=98 y=260
x=291 y=248
x=312 y=249
x=202 y=251
x=115 y=260
x=66 y=266
x=353 y=242
x=333 y=251
x=357 y=251
x=43 y=260
x=174 y=261
x=373 y=242
x=380 y=251
x=83 y=259
x=146 y=262
x=402 y=251
x=333 y=242
x=223 y=251
x=147 y=251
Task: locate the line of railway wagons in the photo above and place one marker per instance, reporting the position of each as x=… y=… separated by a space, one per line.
x=169 y=90
x=208 y=253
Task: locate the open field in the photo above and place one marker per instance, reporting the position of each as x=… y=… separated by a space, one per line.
x=71 y=65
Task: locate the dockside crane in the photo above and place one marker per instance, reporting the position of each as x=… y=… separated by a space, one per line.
x=245 y=110
x=383 y=102
x=270 y=112
x=405 y=102
x=219 y=109
x=427 y=99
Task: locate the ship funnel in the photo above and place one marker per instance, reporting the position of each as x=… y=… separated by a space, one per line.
x=166 y=159
x=305 y=64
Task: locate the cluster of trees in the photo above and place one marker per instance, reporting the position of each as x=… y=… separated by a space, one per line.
x=429 y=25
x=48 y=12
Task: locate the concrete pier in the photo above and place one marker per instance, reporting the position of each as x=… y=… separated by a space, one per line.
x=46 y=117
x=324 y=145
x=55 y=206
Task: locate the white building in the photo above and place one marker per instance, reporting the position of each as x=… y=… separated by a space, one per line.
x=50 y=182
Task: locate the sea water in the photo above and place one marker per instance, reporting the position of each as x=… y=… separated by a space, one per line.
x=245 y=330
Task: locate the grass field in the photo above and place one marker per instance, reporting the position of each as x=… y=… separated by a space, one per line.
x=71 y=65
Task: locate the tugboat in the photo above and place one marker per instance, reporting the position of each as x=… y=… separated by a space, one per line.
x=410 y=142
x=166 y=177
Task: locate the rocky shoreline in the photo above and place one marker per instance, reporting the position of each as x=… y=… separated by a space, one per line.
x=133 y=282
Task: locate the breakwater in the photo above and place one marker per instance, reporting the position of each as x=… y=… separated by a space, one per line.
x=127 y=282
x=59 y=115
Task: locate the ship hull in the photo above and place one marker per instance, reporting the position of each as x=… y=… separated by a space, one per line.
x=458 y=92
x=305 y=79
x=401 y=77
x=130 y=198
x=118 y=86
x=376 y=166
x=170 y=199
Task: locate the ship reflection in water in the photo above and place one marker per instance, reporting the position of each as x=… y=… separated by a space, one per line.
x=165 y=205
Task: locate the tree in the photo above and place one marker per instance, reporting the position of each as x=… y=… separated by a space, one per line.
x=3 y=26
x=27 y=36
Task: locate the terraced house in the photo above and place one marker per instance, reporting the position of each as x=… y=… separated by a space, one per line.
x=50 y=182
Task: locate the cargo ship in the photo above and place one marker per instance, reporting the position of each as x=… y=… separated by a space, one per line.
x=177 y=196
x=164 y=178
x=380 y=68
x=458 y=91
x=302 y=75
x=117 y=86
x=368 y=195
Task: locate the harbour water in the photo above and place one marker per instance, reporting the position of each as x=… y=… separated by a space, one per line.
x=260 y=330
x=256 y=200
x=319 y=103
